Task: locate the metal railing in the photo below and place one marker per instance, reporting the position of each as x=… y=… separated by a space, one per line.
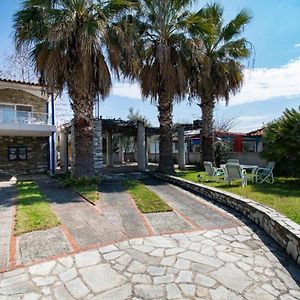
x=12 y=116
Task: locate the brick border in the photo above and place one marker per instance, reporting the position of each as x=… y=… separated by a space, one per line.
x=283 y=230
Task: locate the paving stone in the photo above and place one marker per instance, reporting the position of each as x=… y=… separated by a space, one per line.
x=120 y=293
x=113 y=255
x=256 y=292
x=204 y=280
x=77 y=288
x=160 y=242
x=158 y=252
x=68 y=275
x=88 y=258
x=136 y=267
x=202 y=292
x=182 y=264
x=147 y=291
x=42 y=269
x=164 y=279
x=188 y=289
x=173 y=292
x=124 y=259
x=141 y=278
x=13 y=280
x=156 y=271
x=222 y=293
x=168 y=261
x=143 y=248
x=200 y=258
x=61 y=292
x=67 y=261
x=32 y=296
x=101 y=277
x=228 y=274
x=184 y=276
x=41 y=281
x=108 y=249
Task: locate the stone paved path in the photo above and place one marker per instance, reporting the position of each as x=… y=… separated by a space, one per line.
x=117 y=207
x=203 y=214
x=86 y=225
x=233 y=263
x=7 y=195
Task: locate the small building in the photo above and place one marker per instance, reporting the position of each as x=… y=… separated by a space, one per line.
x=26 y=128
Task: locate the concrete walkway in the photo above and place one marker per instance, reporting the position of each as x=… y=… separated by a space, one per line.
x=234 y=263
x=7 y=196
x=85 y=224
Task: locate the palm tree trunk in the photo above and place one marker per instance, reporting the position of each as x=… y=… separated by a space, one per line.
x=207 y=132
x=165 y=109
x=83 y=137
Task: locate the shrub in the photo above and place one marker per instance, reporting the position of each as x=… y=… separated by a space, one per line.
x=67 y=182
x=281 y=140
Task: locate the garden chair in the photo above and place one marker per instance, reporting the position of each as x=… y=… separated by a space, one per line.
x=235 y=172
x=233 y=160
x=265 y=174
x=211 y=171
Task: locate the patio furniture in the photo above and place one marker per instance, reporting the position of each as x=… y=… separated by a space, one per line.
x=235 y=172
x=265 y=174
x=233 y=160
x=211 y=171
x=251 y=168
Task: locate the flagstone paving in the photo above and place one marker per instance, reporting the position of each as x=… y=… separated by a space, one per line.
x=234 y=263
x=7 y=195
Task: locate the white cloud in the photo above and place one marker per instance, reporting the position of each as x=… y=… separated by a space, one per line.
x=262 y=84
x=297 y=45
x=128 y=90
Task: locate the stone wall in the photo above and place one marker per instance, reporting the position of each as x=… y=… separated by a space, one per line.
x=23 y=98
x=283 y=230
x=37 y=151
x=98 y=156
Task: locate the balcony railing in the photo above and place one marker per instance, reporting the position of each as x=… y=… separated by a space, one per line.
x=17 y=117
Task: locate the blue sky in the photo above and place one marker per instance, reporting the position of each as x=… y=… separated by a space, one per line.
x=269 y=88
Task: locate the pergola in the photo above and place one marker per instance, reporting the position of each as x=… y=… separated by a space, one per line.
x=109 y=127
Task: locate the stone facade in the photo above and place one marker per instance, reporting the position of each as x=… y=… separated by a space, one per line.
x=13 y=96
x=37 y=155
x=283 y=230
x=98 y=155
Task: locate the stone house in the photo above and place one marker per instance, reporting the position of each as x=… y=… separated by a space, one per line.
x=26 y=128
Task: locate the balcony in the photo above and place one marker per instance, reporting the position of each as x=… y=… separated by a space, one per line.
x=24 y=123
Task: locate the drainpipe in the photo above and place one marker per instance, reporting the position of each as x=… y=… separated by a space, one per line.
x=52 y=135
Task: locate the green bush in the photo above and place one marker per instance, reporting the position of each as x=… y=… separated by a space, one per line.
x=281 y=140
x=68 y=182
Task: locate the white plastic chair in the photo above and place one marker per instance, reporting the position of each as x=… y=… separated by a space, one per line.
x=211 y=171
x=235 y=172
x=265 y=174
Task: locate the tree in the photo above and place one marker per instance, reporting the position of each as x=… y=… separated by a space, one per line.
x=67 y=41
x=281 y=142
x=218 y=72
x=135 y=116
x=163 y=73
x=17 y=65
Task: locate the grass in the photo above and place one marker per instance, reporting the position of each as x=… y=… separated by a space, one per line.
x=146 y=200
x=89 y=192
x=283 y=195
x=33 y=210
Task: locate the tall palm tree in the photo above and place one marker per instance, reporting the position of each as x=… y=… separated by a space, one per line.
x=163 y=71
x=68 y=39
x=218 y=72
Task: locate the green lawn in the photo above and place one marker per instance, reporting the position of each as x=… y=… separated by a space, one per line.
x=283 y=195
x=33 y=209
x=89 y=192
x=146 y=200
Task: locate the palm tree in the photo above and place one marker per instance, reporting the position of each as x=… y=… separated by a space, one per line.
x=68 y=39
x=218 y=72
x=163 y=68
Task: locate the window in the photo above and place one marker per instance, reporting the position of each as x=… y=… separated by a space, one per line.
x=249 y=145
x=16 y=153
x=7 y=113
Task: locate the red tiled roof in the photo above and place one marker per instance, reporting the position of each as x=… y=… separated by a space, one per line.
x=19 y=82
x=257 y=132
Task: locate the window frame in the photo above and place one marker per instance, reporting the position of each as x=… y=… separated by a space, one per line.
x=17 y=147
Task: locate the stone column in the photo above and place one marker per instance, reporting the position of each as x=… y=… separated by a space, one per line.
x=72 y=147
x=181 y=148
x=109 y=149
x=63 y=149
x=98 y=155
x=121 y=150
x=141 y=147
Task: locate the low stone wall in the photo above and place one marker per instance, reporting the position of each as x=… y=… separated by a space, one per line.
x=283 y=230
